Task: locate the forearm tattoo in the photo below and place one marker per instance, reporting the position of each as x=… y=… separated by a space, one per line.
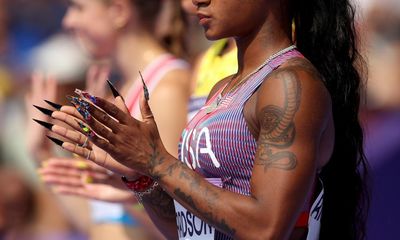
x=159 y=200
x=277 y=127
x=161 y=203
x=208 y=215
x=206 y=209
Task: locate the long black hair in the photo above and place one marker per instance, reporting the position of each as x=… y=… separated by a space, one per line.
x=326 y=35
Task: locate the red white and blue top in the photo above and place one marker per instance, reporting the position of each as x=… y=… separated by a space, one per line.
x=218 y=143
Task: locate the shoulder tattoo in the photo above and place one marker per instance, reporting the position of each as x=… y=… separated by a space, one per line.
x=277 y=128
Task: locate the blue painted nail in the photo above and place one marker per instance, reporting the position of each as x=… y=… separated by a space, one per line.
x=85 y=113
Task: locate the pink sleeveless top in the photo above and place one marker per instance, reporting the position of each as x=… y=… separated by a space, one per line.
x=152 y=75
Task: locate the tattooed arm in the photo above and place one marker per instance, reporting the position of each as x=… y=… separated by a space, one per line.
x=160 y=208
x=293 y=109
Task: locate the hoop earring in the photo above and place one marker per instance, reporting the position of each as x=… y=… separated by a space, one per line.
x=294 y=31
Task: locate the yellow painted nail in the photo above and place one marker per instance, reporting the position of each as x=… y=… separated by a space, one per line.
x=81 y=165
x=40 y=176
x=45 y=164
x=138 y=207
x=88 y=179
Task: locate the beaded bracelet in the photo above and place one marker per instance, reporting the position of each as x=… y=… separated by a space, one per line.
x=142 y=186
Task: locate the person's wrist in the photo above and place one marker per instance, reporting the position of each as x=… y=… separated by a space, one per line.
x=141 y=186
x=159 y=170
x=132 y=175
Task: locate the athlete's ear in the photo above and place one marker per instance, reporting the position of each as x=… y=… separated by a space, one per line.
x=121 y=13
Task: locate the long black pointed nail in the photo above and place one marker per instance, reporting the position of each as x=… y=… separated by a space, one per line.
x=46 y=111
x=44 y=124
x=54 y=105
x=56 y=141
x=78 y=102
x=113 y=89
x=145 y=89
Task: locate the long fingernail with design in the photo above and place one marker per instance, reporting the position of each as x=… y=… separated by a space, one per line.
x=86 y=95
x=56 y=141
x=46 y=111
x=85 y=113
x=78 y=102
x=73 y=100
x=145 y=89
x=113 y=89
x=44 y=124
x=85 y=129
x=54 y=105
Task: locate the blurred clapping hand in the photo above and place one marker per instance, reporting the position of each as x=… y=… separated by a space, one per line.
x=83 y=178
x=42 y=87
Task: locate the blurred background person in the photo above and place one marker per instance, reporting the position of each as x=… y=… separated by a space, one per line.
x=20 y=34
x=17 y=207
x=123 y=32
x=380 y=24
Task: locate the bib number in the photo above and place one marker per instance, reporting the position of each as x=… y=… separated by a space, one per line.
x=191 y=227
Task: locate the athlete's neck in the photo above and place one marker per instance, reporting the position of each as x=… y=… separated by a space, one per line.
x=257 y=46
x=134 y=52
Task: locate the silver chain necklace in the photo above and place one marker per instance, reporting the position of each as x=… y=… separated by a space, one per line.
x=219 y=98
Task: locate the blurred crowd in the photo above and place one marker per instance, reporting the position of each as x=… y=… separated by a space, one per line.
x=36 y=45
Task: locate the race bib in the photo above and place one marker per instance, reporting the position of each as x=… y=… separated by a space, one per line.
x=314 y=220
x=191 y=227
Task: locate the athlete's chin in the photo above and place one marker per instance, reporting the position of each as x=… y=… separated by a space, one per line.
x=213 y=35
x=212 y=38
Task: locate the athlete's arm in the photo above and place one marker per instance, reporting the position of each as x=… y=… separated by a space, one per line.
x=169 y=102
x=292 y=111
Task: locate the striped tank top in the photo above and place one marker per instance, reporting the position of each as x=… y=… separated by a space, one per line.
x=218 y=144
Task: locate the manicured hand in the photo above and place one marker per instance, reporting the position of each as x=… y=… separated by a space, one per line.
x=79 y=136
x=135 y=144
x=78 y=133
x=83 y=178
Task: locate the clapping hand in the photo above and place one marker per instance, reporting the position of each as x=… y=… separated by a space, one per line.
x=129 y=145
x=86 y=179
x=42 y=86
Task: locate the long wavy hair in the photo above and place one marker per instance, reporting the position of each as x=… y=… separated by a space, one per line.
x=326 y=35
